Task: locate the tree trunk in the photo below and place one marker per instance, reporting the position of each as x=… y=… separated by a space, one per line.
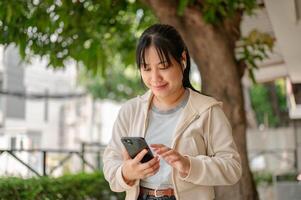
x=212 y=48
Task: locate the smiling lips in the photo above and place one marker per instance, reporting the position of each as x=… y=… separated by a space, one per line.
x=158 y=87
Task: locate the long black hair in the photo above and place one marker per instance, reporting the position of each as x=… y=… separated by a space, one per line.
x=168 y=42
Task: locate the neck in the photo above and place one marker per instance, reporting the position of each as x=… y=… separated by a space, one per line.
x=170 y=102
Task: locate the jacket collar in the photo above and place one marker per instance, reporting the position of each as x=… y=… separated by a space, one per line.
x=146 y=100
x=197 y=103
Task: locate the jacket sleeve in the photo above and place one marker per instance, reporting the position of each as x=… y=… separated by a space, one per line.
x=112 y=157
x=224 y=166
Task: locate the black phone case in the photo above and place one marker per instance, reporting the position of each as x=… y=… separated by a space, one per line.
x=134 y=145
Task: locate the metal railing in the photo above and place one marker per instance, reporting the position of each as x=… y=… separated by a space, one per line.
x=275 y=153
x=46 y=170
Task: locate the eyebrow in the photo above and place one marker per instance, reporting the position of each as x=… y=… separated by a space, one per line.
x=161 y=62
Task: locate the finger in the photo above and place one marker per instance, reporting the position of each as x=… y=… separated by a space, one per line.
x=157 y=145
x=151 y=171
x=151 y=174
x=140 y=155
x=169 y=153
x=150 y=163
x=152 y=168
x=126 y=155
x=162 y=150
x=173 y=160
x=171 y=157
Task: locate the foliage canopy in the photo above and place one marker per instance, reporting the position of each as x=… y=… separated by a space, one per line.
x=90 y=32
x=101 y=36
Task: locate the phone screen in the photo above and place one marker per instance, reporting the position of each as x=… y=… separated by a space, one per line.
x=135 y=145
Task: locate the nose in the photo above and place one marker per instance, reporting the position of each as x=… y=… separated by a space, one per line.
x=156 y=76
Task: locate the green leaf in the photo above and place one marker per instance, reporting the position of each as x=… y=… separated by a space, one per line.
x=251 y=76
x=254 y=48
x=9 y=13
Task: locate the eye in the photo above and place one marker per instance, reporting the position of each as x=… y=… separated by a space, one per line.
x=164 y=65
x=145 y=67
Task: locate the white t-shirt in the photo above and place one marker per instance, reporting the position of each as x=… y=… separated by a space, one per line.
x=161 y=130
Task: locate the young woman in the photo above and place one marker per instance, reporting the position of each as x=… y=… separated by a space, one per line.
x=187 y=131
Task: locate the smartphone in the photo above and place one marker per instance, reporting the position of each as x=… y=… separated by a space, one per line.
x=135 y=145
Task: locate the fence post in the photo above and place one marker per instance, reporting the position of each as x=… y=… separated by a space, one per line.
x=98 y=160
x=83 y=146
x=44 y=157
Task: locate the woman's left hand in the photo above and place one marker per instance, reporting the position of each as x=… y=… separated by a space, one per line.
x=173 y=158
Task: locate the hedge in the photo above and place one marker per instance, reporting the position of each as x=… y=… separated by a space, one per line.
x=68 y=187
x=266 y=178
x=263 y=178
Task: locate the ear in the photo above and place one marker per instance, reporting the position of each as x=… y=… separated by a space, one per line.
x=184 y=59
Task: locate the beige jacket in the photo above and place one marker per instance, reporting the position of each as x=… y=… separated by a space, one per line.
x=203 y=134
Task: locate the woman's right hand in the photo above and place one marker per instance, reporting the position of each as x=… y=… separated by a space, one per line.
x=133 y=169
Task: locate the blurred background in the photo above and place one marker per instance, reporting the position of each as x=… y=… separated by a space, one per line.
x=66 y=67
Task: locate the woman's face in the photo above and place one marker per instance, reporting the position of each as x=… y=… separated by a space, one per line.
x=165 y=81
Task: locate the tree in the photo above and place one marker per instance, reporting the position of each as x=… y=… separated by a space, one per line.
x=212 y=46
x=91 y=32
